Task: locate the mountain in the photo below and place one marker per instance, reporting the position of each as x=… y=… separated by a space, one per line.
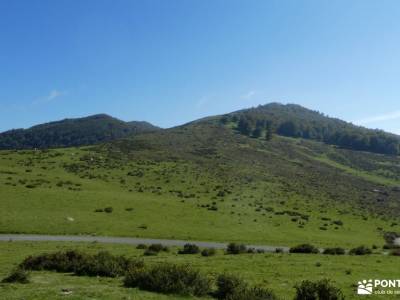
x=208 y=180
x=296 y=121
x=72 y=132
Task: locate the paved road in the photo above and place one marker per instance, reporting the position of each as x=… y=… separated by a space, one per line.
x=121 y=240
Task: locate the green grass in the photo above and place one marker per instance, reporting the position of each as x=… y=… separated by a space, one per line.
x=279 y=272
x=58 y=191
x=202 y=183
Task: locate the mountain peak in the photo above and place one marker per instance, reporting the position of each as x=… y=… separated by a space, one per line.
x=72 y=132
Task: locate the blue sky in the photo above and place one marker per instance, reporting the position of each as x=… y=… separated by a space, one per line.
x=169 y=62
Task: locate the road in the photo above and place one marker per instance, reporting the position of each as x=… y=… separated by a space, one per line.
x=122 y=240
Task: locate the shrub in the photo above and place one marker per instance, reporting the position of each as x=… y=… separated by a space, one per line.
x=319 y=290
x=58 y=261
x=189 y=249
x=234 y=248
x=158 y=248
x=82 y=264
x=229 y=285
x=395 y=252
x=361 y=250
x=338 y=222
x=18 y=275
x=279 y=250
x=334 y=251
x=208 y=252
x=169 y=279
x=141 y=246
x=106 y=265
x=304 y=248
x=234 y=288
x=108 y=209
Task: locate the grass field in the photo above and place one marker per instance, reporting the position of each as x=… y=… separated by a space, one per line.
x=277 y=271
x=205 y=184
x=59 y=191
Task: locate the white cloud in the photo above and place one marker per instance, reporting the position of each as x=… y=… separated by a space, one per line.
x=51 y=96
x=379 y=118
x=249 y=95
x=201 y=102
x=54 y=94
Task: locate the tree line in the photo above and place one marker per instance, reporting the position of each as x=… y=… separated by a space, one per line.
x=298 y=122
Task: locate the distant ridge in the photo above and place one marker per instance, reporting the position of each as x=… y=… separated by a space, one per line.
x=263 y=121
x=293 y=120
x=72 y=132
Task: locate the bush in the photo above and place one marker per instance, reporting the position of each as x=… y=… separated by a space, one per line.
x=234 y=248
x=304 y=248
x=334 y=251
x=338 y=222
x=229 y=285
x=141 y=246
x=58 y=261
x=106 y=265
x=108 y=209
x=82 y=264
x=189 y=249
x=169 y=279
x=234 y=288
x=395 y=252
x=208 y=252
x=149 y=252
x=158 y=248
x=362 y=250
x=19 y=275
x=319 y=290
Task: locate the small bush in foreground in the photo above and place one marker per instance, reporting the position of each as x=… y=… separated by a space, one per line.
x=169 y=279
x=304 y=248
x=189 y=249
x=141 y=246
x=362 y=250
x=234 y=248
x=17 y=276
x=83 y=264
x=208 y=252
x=319 y=290
x=334 y=251
x=230 y=287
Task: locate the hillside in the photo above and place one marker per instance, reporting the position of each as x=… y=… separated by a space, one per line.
x=72 y=132
x=204 y=181
x=296 y=121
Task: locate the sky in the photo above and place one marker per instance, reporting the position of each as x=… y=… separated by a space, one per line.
x=170 y=62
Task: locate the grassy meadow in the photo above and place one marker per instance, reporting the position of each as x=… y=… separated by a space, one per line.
x=280 y=272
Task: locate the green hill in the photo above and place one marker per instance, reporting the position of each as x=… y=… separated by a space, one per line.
x=295 y=121
x=204 y=181
x=207 y=181
x=72 y=132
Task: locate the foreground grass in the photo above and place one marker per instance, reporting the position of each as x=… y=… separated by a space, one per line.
x=279 y=272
